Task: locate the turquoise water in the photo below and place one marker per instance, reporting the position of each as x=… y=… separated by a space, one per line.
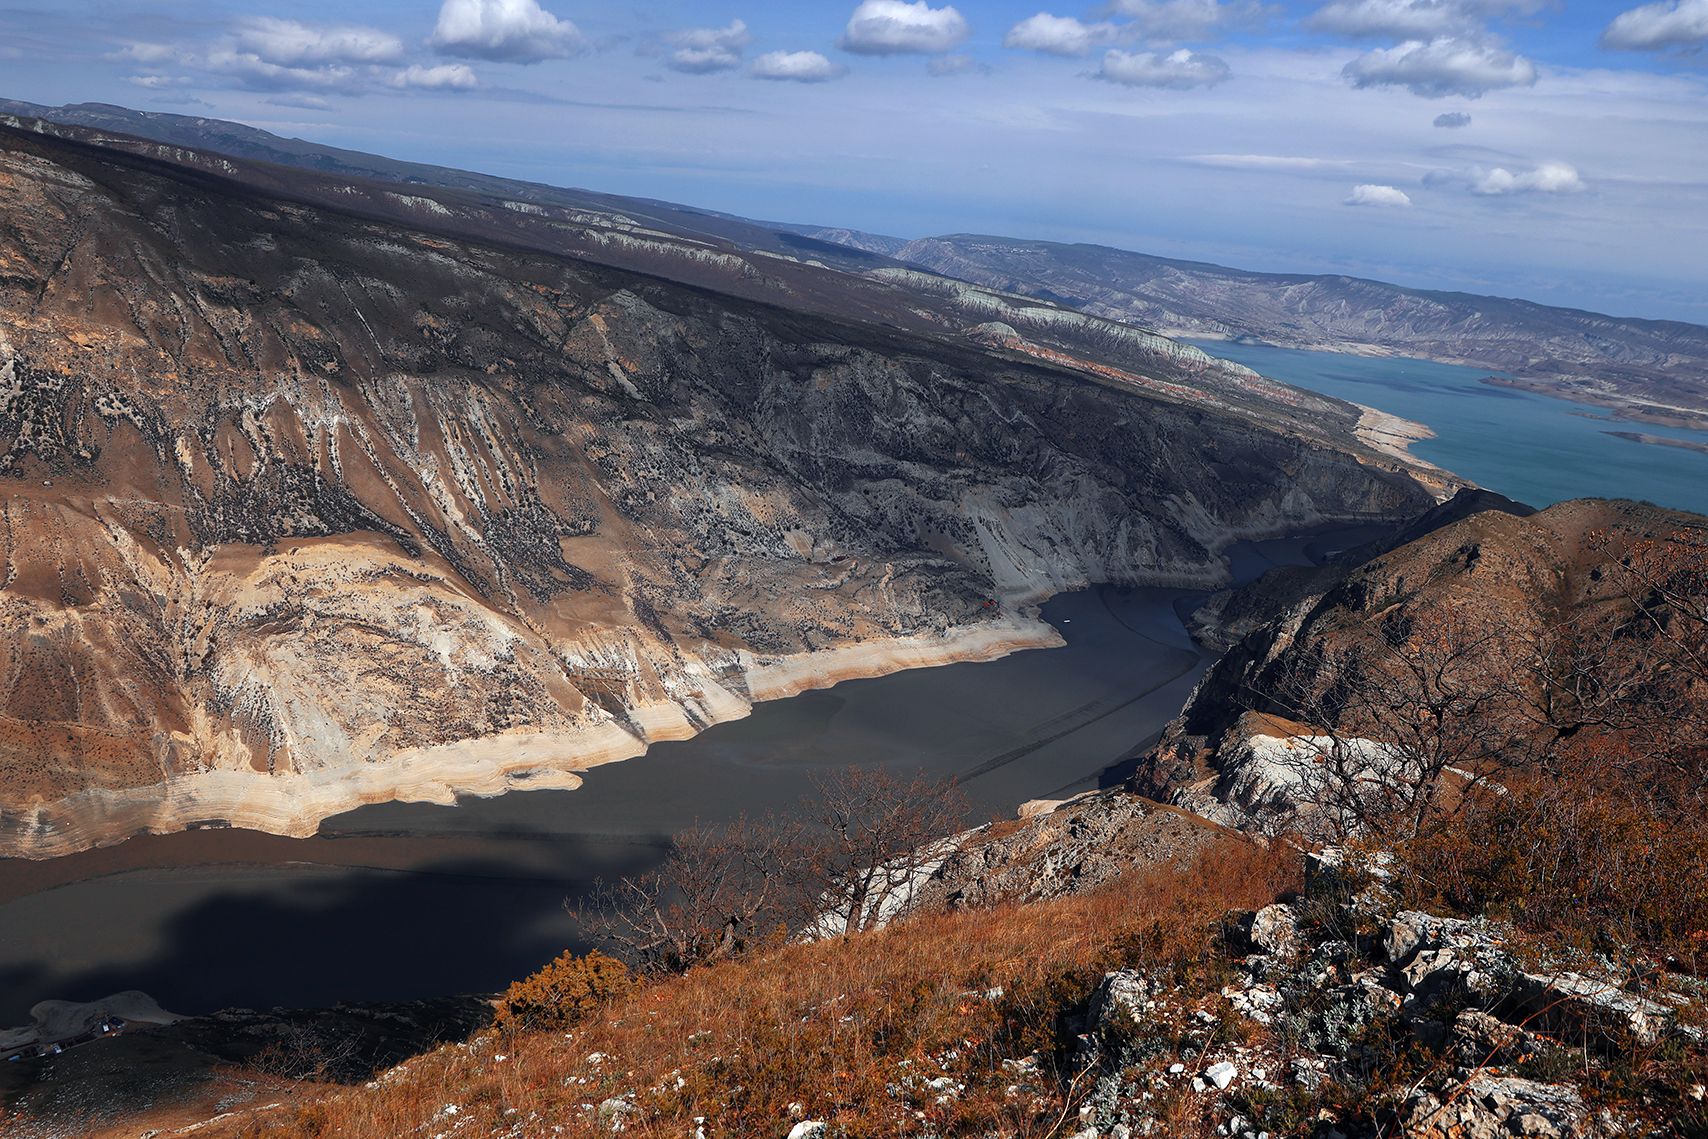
x=1529 y=447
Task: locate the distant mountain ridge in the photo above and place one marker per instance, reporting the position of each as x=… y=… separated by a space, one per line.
x=1649 y=370
x=241 y=141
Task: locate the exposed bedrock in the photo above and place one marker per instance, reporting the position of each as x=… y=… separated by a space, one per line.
x=302 y=511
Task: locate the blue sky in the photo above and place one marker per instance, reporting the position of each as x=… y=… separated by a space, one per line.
x=1551 y=150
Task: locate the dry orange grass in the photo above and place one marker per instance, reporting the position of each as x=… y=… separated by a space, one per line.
x=846 y=1031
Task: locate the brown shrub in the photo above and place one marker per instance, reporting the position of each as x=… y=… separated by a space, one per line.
x=563 y=992
x=1577 y=859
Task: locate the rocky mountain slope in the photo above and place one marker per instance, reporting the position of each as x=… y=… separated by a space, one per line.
x=731 y=256
x=240 y=141
x=1141 y=1004
x=1584 y=597
x=319 y=494
x=1647 y=369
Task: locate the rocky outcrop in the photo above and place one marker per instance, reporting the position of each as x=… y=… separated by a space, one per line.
x=1313 y=1010
x=305 y=509
x=1061 y=848
x=1496 y=1107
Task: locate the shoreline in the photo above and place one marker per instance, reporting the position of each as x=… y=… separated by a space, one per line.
x=1626 y=410
x=1393 y=435
x=294 y=806
x=1649 y=440
x=1556 y=387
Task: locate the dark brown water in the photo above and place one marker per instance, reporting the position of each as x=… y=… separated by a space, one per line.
x=399 y=901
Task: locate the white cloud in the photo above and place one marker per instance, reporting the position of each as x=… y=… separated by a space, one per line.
x=294 y=44
x=1437 y=68
x=1264 y=161
x=1188 y=19
x=943 y=66
x=445 y=77
x=249 y=70
x=301 y=102
x=702 y=50
x=158 y=82
x=795 y=67
x=1453 y=120
x=1057 y=35
x=1655 y=27
x=1382 y=196
x=892 y=27
x=1180 y=70
x=1548 y=178
x=1412 y=19
x=144 y=52
x=1394 y=19
x=507 y=31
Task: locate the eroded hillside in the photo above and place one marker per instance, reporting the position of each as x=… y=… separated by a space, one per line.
x=305 y=508
x=1507 y=648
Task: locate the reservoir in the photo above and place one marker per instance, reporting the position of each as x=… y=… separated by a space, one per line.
x=407 y=900
x=1528 y=447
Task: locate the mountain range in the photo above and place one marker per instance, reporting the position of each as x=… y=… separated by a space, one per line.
x=1649 y=370
x=321 y=492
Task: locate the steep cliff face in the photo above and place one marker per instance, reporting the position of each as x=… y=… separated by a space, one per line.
x=304 y=509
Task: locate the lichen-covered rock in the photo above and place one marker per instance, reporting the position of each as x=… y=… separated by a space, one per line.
x=1575 y=1006
x=1437 y=957
x=1480 y=1040
x=1274 y=930
x=1122 y=999
x=1497 y=1108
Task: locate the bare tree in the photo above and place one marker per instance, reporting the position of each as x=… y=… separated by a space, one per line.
x=850 y=860
x=1665 y=578
x=1630 y=692
x=304 y=1051
x=717 y=891
x=872 y=841
x=1403 y=723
